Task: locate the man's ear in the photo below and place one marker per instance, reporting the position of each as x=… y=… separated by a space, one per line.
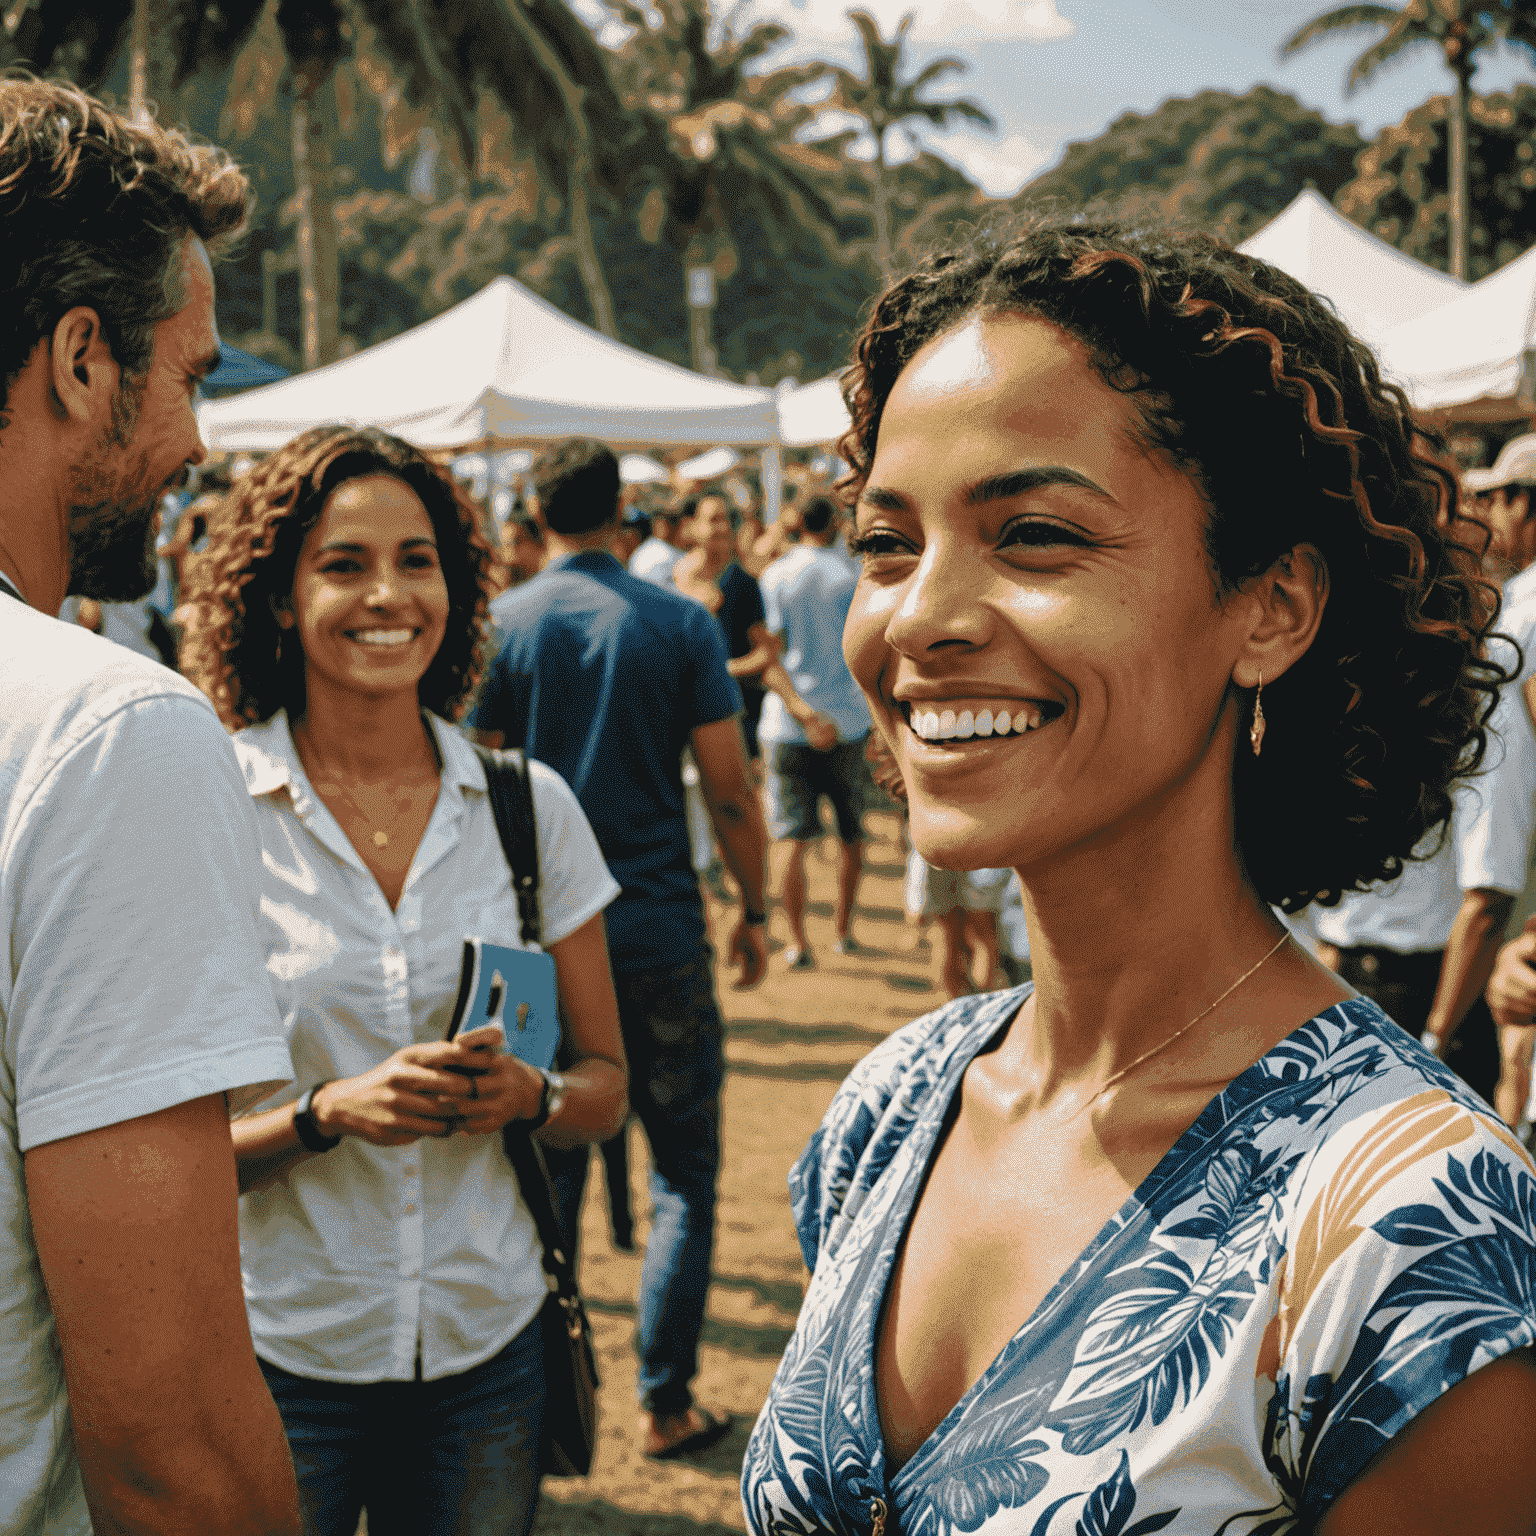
x=1289 y=600
x=84 y=373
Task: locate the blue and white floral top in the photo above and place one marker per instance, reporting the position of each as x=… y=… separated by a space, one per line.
x=1343 y=1234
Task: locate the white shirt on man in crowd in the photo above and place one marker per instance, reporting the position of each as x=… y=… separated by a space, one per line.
x=357 y=1260
x=128 y=872
x=654 y=561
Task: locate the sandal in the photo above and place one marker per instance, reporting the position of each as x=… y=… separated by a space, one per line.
x=713 y=1428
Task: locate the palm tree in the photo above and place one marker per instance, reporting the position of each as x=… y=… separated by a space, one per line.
x=534 y=55
x=552 y=77
x=1460 y=29
x=884 y=100
x=720 y=137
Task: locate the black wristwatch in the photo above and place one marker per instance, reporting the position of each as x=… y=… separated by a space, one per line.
x=551 y=1101
x=307 y=1127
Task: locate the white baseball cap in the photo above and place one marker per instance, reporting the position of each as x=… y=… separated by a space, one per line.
x=1515 y=465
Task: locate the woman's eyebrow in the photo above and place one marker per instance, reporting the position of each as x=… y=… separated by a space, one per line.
x=1019 y=482
x=887 y=501
x=1016 y=482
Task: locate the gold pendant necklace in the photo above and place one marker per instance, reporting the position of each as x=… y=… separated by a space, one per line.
x=1114 y=1078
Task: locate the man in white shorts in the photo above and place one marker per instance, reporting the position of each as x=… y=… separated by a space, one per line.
x=133 y=998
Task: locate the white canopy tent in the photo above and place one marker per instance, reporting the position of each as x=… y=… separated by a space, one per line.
x=813 y=414
x=1372 y=285
x=500 y=368
x=1472 y=356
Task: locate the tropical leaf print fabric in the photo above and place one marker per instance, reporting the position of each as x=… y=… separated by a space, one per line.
x=1345 y=1233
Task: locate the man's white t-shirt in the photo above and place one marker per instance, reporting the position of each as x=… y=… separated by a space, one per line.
x=129 y=870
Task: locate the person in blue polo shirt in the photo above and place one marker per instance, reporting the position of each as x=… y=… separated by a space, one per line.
x=607 y=678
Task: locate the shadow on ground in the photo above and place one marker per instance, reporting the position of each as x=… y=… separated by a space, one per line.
x=598 y=1517
x=756 y=1341
x=787 y=1032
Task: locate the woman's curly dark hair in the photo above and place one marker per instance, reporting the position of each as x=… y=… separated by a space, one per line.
x=254 y=538
x=1253 y=386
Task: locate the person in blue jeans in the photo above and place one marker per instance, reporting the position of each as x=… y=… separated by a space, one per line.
x=607 y=678
x=393 y=1274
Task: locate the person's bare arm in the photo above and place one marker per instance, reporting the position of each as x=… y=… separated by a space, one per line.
x=1511 y=990
x=135 y=1229
x=765 y=651
x=1466 y=1466
x=597 y=1083
x=733 y=807
x=820 y=730
x=1470 y=953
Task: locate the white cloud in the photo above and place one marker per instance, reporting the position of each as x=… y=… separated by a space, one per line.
x=1000 y=167
x=938 y=21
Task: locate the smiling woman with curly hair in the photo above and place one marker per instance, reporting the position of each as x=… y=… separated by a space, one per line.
x=392 y=1272
x=1159 y=607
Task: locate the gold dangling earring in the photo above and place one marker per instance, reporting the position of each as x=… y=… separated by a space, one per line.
x=1256 y=730
x=280 y=649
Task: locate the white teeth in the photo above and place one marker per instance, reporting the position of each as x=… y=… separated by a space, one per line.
x=950 y=725
x=382 y=636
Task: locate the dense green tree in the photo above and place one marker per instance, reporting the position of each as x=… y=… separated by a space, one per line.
x=1397 y=191
x=1214 y=161
x=885 y=97
x=1460 y=29
x=717 y=120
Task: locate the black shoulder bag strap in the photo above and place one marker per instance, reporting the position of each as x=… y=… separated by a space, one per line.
x=506 y=777
x=570 y=1409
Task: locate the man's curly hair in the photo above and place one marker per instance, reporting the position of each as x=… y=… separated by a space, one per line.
x=1251 y=384
x=255 y=534
x=95 y=210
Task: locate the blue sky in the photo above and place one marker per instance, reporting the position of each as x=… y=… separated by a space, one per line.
x=1051 y=71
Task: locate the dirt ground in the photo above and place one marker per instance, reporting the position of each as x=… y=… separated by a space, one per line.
x=788 y=1045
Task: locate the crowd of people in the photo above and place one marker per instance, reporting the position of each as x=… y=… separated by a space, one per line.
x=1182 y=1229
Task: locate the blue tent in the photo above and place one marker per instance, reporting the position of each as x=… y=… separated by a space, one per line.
x=240 y=370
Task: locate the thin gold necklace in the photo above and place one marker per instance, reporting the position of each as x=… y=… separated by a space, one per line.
x=380 y=836
x=1114 y=1078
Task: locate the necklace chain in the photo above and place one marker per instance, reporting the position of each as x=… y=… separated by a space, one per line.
x=1115 y=1077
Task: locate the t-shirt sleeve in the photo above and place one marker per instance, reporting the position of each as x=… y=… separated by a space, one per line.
x=773 y=609
x=574 y=882
x=137 y=979
x=713 y=692
x=1496 y=810
x=1412 y=1263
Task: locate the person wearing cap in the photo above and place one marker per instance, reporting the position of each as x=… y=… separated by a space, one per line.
x=1423 y=946
x=1499 y=497
x=654 y=559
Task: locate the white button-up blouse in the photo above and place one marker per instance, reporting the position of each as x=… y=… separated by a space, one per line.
x=356 y=1260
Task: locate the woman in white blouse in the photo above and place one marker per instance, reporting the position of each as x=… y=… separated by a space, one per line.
x=392 y=1272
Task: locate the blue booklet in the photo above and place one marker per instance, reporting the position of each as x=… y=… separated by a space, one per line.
x=515 y=990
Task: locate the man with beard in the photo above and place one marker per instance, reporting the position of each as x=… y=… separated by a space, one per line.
x=133 y=997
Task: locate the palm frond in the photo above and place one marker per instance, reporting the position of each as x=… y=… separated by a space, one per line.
x=1344 y=18
x=935 y=71
x=1381 y=53
x=412 y=36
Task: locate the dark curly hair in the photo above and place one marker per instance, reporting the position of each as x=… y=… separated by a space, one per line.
x=254 y=538
x=1251 y=384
